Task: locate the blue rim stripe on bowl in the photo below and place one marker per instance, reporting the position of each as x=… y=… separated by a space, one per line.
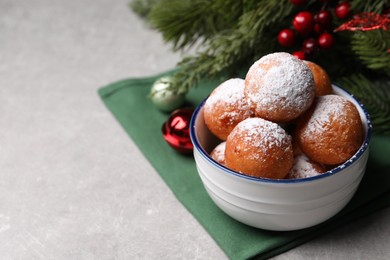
x=335 y=170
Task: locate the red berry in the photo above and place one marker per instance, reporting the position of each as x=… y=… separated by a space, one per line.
x=326 y=40
x=342 y=10
x=298 y=2
x=310 y=45
x=300 y=55
x=324 y=17
x=318 y=29
x=286 y=37
x=304 y=22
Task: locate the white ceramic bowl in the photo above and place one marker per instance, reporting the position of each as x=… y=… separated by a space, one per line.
x=278 y=204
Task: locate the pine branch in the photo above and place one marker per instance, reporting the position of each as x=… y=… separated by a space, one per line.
x=142 y=7
x=230 y=48
x=375 y=95
x=371 y=47
x=377 y=6
x=184 y=22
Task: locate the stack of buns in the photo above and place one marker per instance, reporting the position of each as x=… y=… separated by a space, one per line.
x=282 y=121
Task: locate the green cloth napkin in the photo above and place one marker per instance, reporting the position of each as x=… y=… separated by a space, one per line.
x=128 y=102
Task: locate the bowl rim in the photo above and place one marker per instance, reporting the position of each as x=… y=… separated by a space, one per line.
x=331 y=172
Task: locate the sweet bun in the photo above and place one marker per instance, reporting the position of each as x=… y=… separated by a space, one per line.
x=331 y=131
x=322 y=82
x=218 y=153
x=280 y=87
x=226 y=107
x=304 y=167
x=259 y=148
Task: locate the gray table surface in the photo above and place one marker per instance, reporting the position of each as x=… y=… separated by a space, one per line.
x=72 y=184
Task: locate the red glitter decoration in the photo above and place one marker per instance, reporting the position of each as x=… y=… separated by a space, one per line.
x=366 y=22
x=176 y=130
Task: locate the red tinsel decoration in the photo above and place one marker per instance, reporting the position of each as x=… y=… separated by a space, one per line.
x=366 y=22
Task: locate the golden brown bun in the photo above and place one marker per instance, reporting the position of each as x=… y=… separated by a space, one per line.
x=322 y=82
x=332 y=131
x=280 y=87
x=226 y=107
x=259 y=148
x=218 y=153
x=304 y=167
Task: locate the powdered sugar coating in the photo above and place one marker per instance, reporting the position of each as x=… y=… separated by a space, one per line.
x=218 y=153
x=226 y=107
x=328 y=108
x=229 y=94
x=303 y=167
x=332 y=131
x=280 y=86
x=261 y=134
x=259 y=147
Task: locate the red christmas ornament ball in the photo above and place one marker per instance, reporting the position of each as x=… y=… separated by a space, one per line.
x=326 y=40
x=286 y=37
x=304 y=22
x=176 y=130
x=342 y=10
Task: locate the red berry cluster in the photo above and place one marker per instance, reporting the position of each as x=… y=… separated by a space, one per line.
x=314 y=28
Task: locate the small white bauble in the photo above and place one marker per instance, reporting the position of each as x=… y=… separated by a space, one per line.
x=164 y=97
